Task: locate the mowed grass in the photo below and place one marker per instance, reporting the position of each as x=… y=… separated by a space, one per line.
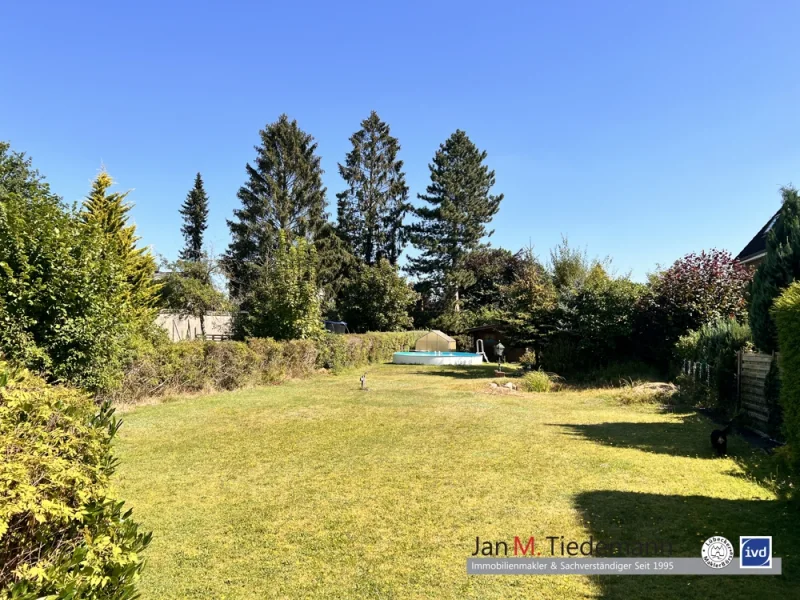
x=317 y=489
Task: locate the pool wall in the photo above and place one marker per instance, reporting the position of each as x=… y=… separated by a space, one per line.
x=441 y=358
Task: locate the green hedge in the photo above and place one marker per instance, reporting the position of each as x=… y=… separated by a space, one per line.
x=786 y=312
x=62 y=533
x=197 y=366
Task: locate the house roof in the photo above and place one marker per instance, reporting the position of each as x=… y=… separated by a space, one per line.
x=758 y=245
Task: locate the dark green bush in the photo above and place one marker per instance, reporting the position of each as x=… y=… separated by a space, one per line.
x=62 y=534
x=780 y=268
x=717 y=344
x=787 y=318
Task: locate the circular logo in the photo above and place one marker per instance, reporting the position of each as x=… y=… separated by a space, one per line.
x=717 y=552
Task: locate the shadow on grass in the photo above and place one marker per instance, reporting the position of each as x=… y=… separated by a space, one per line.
x=686 y=522
x=689 y=437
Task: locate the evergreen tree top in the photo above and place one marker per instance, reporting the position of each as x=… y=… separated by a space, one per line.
x=195 y=216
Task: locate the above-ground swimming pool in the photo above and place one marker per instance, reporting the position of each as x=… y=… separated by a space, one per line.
x=437 y=358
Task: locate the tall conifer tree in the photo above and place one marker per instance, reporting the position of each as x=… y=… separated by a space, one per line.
x=453 y=222
x=283 y=193
x=109 y=212
x=195 y=221
x=371 y=210
x=780 y=268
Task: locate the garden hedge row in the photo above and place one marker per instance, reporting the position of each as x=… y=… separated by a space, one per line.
x=62 y=533
x=198 y=366
x=786 y=312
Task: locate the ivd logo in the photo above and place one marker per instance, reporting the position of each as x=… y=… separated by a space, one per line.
x=755 y=552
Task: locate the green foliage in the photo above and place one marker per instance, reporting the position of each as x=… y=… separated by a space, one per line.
x=453 y=222
x=189 y=289
x=107 y=213
x=716 y=344
x=600 y=318
x=376 y=298
x=372 y=208
x=195 y=221
x=537 y=381
x=780 y=268
x=528 y=359
x=492 y=269
x=529 y=302
x=62 y=533
x=569 y=266
x=162 y=367
x=68 y=304
x=786 y=312
x=697 y=289
x=283 y=193
x=284 y=303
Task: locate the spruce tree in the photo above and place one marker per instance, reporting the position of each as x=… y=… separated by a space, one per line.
x=283 y=193
x=372 y=208
x=195 y=221
x=109 y=213
x=780 y=268
x=453 y=223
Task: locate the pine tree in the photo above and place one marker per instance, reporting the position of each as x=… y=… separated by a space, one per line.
x=780 y=268
x=195 y=221
x=109 y=213
x=372 y=209
x=283 y=193
x=459 y=205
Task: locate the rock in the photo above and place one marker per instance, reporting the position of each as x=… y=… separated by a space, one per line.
x=510 y=386
x=493 y=385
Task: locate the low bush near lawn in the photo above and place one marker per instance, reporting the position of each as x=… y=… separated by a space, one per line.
x=62 y=534
x=537 y=381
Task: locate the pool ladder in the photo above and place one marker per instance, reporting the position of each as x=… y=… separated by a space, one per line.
x=479 y=349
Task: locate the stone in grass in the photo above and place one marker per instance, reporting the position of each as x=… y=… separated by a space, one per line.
x=510 y=386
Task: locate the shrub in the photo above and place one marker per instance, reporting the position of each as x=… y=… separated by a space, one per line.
x=162 y=367
x=283 y=301
x=787 y=319
x=716 y=344
x=376 y=298
x=697 y=289
x=62 y=534
x=528 y=359
x=537 y=381
x=559 y=354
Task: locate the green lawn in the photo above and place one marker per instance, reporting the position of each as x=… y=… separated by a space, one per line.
x=314 y=488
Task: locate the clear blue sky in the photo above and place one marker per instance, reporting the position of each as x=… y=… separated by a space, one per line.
x=642 y=130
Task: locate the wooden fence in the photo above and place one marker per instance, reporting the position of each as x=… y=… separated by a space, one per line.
x=752 y=371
